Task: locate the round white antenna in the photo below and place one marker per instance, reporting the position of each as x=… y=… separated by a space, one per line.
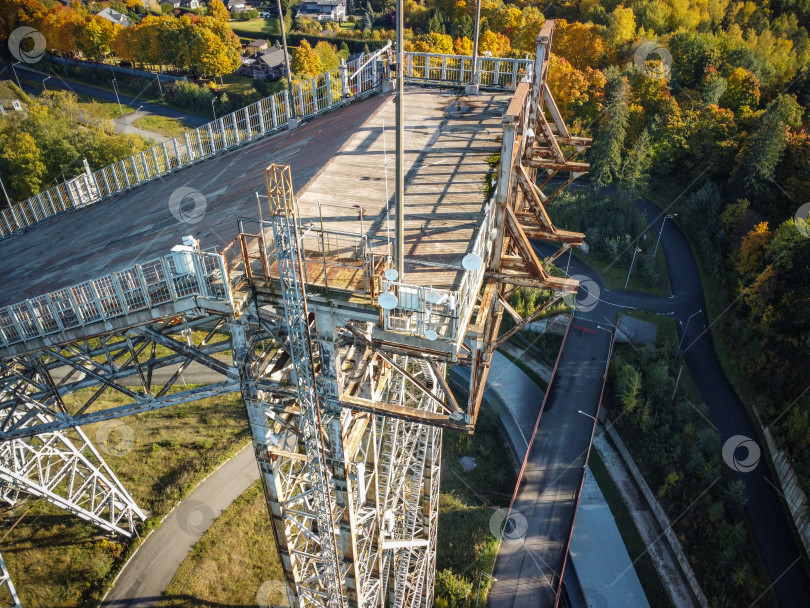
x=471 y=262
x=431 y=335
x=433 y=297
x=391 y=275
x=387 y=301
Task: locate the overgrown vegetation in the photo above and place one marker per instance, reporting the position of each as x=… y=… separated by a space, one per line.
x=55 y=559
x=679 y=453
x=47 y=142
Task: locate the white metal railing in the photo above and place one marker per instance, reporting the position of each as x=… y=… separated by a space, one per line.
x=171 y=278
x=421 y=309
x=493 y=72
x=334 y=88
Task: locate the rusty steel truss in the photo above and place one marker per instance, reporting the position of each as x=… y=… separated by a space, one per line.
x=346 y=401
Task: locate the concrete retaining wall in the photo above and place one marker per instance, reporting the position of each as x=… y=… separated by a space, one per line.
x=658 y=512
x=794 y=495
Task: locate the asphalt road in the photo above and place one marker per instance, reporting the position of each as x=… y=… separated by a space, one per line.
x=773 y=530
x=32 y=74
x=531 y=558
x=147 y=574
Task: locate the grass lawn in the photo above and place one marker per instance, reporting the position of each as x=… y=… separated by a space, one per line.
x=261 y=27
x=170 y=127
x=647 y=574
x=56 y=559
x=107 y=109
x=233 y=561
x=233 y=84
x=614 y=276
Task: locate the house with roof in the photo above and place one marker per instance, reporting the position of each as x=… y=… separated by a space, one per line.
x=190 y=4
x=271 y=62
x=256 y=46
x=235 y=6
x=322 y=10
x=114 y=16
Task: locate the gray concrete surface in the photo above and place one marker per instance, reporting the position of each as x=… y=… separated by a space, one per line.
x=147 y=574
x=603 y=565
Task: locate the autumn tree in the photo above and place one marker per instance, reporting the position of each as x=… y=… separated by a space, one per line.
x=752 y=250
x=22 y=164
x=495 y=43
x=305 y=61
x=578 y=93
x=742 y=91
x=579 y=43
x=621 y=27
x=96 y=37
x=217 y=10
x=327 y=53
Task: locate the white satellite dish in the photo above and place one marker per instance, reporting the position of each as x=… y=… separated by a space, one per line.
x=387 y=301
x=391 y=275
x=431 y=335
x=471 y=262
x=433 y=297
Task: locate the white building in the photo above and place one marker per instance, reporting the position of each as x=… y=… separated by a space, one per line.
x=323 y=10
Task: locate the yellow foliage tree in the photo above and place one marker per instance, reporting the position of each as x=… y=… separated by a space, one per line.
x=217 y=10
x=463 y=46
x=305 y=60
x=579 y=43
x=495 y=43
x=621 y=27
x=752 y=249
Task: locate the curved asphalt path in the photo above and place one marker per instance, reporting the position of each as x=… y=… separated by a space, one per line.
x=770 y=521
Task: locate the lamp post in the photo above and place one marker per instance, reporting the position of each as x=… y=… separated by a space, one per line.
x=677 y=352
x=118 y=99
x=666 y=217
x=212 y=108
x=586 y=414
x=15 y=73
x=44 y=80
x=481 y=575
x=138 y=118
x=160 y=88
x=631 y=267
x=475 y=76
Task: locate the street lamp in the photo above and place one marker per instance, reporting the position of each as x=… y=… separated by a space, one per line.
x=631 y=267
x=115 y=88
x=15 y=73
x=586 y=414
x=160 y=88
x=44 y=80
x=212 y=108
x=138 y=118
x=699 y=310
x=666 y=217
x=481 y=575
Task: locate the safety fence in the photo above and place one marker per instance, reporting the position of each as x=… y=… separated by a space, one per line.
x=334 y=88
x=179 y=275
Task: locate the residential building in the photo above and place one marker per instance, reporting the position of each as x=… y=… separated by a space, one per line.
x=323 y=10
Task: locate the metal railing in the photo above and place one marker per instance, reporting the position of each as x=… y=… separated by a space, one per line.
x=493 y=72
x=331 y=89
x=179 y=275
x=421 y=309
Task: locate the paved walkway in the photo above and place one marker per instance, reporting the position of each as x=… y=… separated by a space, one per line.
x=149 y=571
